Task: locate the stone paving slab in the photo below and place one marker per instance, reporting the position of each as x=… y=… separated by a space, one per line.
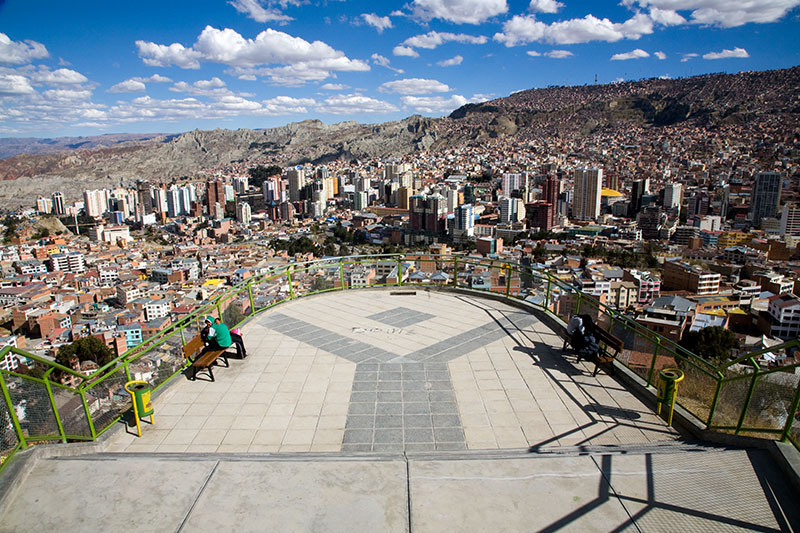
x=367 y=371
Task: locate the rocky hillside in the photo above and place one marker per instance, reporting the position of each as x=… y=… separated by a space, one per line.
x=771 y=99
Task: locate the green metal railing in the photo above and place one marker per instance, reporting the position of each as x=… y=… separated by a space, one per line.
x=64 y=405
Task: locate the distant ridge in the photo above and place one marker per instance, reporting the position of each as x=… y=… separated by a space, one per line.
x=768 y=100
x=12 y=146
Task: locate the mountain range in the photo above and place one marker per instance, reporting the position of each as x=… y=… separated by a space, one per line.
x=714 y=102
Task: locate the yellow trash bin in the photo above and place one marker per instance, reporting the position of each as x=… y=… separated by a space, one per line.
x=142 y=404
x=668 y=380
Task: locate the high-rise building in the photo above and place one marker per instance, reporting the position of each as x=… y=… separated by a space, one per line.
x=58 y=204
x=44 y=205
x=240 y=184
x=765 y=196
x=638 y=189
x=403 y=197
x=95 y=203
x=507 y=206
x=360 y=200
x=297 y=180
x=790 y=220
x=427 y=214
x=463 y=222
x=588 y=188
x=550 y=191
x=243 y=213
x=539 y=215
x=672 y=196
x=215 y=194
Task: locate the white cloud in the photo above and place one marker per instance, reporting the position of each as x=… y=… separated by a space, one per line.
x=660 y=55
x=61 y=76
x=14 y=84
x=384 y=62
x=727 y=54
x=156 y=78
x=67 y=94
x=354 y=104
x=414 y=86
x=214 y=88
x=545 y=6
x=558 y=54
x=254 y=10
x=20 y=52
x=633 y=54
x=333 y=87
x=533 y=53
x=128 y=86
x=723 y=13
x=687 y=57
x=453 y=61
x=458 y=11
x=526 y=29
x=433 y=39
x=666 y=17
x=379 y=23
x=434 y=104
x=159 y=55
x=209 y=84
x=303 y=61
x=404 y=51
x=286 y=105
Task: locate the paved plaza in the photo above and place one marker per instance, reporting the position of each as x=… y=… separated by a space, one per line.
x=403 y=411
x=393 y=371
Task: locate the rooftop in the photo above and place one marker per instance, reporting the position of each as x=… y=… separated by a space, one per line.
x=379 y=409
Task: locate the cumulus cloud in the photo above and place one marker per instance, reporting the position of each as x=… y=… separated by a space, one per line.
x=379 y=23
x=433 y=39
x=433 y=104
x=687 y=57
x=723 y=13
x=304 y=61
x=526 y=29
x=286 y=105
x=633 y=54
x=458 y=11
x=414 y=86
x=545 y=6
x=384 y=62
x=727 y=54
x=20 y=52
x=558 y=54
x=660 y=55
x=354 y=104
x=254 y=10
x=14 y=84
x=333 y=86
x=453 y=61
x=533 y=53
x=666 y=17
x=128 y=86
x=404 y=51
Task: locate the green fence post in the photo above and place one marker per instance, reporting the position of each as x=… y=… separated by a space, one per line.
x=341 y=272
x=714 y=402
x=291 y=289
x=653 y=362
x=790 y=419
x=219 y=311
x=250 y=295
x=53 y=403
x=399 y=272
x=126 y=366
x=578 y=303
x=13 y=414
x=547 y=294
x=88 y=414
x=455 y=272
x=747 y=401
x=183 y=335
x=508 y=281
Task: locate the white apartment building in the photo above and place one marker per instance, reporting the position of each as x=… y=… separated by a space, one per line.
x=588 y=188
x=784 y=310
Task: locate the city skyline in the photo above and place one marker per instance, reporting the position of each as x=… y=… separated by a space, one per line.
x=87 y=69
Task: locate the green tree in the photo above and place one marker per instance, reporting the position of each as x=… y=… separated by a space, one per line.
x=260 y=173
x=86 y=349
x=713 y=342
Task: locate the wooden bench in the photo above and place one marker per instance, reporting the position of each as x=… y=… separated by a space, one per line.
x=193 y=351
x=610 y=347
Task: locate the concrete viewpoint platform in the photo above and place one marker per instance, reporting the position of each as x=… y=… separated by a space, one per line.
x=371 y=411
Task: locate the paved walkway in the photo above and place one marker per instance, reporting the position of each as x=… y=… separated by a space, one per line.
x=376 y=371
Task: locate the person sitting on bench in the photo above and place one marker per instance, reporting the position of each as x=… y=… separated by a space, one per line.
x=217 y=335
x=581 y=336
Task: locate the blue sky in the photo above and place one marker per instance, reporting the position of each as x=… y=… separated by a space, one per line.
x=91 y=67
